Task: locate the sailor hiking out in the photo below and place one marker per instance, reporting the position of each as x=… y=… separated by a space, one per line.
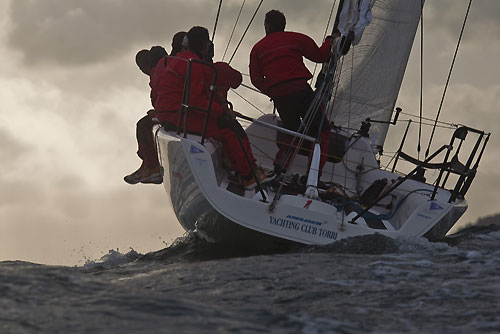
x=227 y=131
x=148 y=62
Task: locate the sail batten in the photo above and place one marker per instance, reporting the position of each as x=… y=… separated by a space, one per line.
x=372 y=71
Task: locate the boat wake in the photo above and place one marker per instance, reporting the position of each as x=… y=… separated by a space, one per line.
x=193 y=248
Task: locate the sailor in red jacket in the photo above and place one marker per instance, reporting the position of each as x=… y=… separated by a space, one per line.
x=277 y=69
x=149 y=171
x=170 y=89
x=151 y=62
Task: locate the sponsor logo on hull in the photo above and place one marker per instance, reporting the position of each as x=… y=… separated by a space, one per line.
x=195 y=150
x=289 y=224
x=435 y=206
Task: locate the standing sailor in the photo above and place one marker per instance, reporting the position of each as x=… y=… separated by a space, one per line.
x=277 y=69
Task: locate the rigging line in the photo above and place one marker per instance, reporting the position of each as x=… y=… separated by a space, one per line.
x=284 y=143
x=336 y=79
x=216 y=20
x=390 y=161
x=326 y=31
x=256 y=148
x=360 y=102
x=292 y=153
x=313 y=109
x=441 y=126
x=404 y=120
x=280 y=142
x=245 y=32
x=448 y=79
x=251 y=88
x=234 y=28
x=348 y=123
x=428 y=119
x=421 y=75
x=305 y=123
x=250 y=103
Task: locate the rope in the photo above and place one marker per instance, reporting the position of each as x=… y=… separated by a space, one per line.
x=448 y=80
x=216 y=20
x=306 y=123
x=250 y=103
x=264 y=154
x=336 y=81
x=251 y=88
x=428 y=119
x=310 y=150
x=348 y=123
x=421 y=75
x=234 y=28
x=326 y=31
x=336 y=84
x=244 y=33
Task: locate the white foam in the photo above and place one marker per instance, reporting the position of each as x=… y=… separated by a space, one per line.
x=412 y=244
x=114 y=258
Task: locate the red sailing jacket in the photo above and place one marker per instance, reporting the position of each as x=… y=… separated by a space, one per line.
x=170 y=86
x=154 y=77
x=277 y=59
x=227 y=77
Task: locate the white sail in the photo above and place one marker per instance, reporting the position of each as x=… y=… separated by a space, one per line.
x=372 y=72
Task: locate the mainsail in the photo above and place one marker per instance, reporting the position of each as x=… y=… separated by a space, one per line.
x=370 y=75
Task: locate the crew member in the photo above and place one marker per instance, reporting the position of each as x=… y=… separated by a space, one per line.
x=170 y=91
x=277 y=69
x=151 y=62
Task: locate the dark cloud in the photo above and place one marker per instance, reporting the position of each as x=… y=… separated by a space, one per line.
x=448 y=15
x=74 y=32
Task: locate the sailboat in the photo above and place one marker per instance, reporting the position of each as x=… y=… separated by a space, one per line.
x=355 y=194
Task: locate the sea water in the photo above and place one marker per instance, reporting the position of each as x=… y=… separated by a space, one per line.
x=369 y=284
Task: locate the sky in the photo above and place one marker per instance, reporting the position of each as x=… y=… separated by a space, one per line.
x=70 y=95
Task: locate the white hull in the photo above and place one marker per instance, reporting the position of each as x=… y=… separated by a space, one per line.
x=203 y=199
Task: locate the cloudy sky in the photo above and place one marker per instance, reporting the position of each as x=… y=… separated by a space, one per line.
x=70 y=94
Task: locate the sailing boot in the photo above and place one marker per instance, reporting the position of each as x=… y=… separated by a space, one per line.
x=145 y=175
